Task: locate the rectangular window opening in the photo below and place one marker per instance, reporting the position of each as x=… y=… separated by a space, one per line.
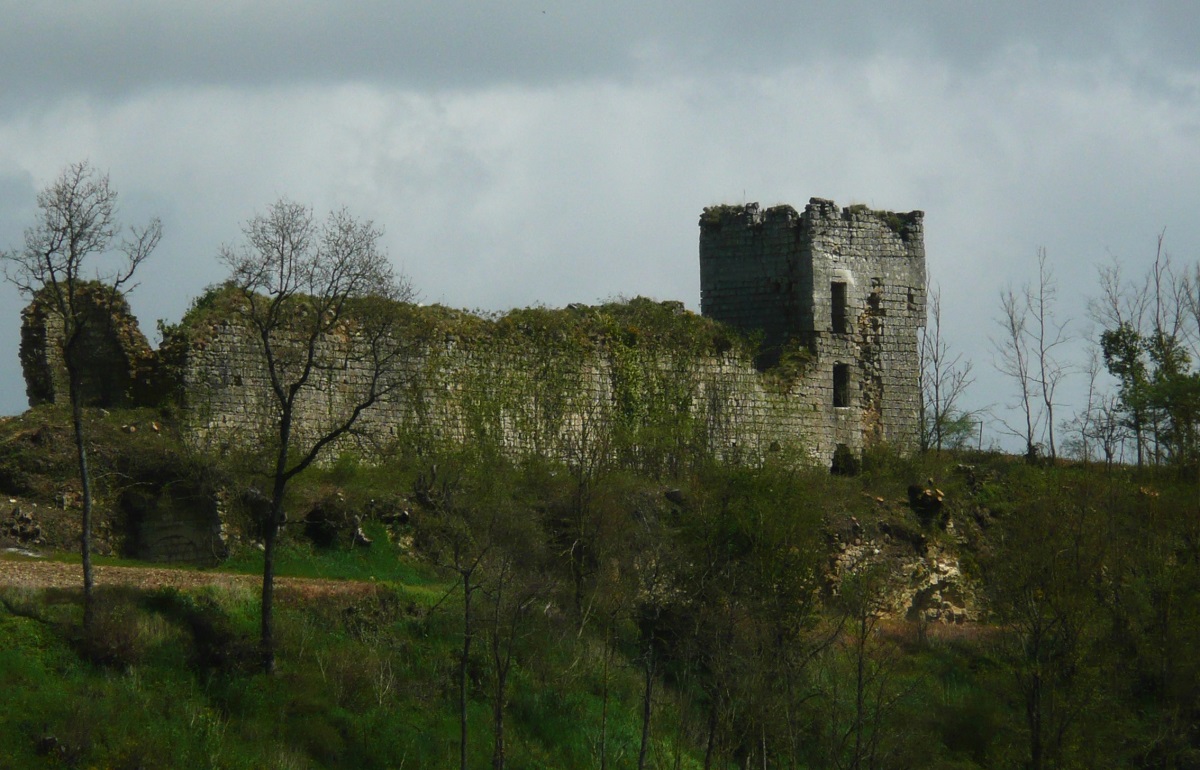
x=841 y=385
x=837 y=292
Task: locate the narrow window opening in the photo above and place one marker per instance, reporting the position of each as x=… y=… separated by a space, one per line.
x=837 y=292
x=841 y=385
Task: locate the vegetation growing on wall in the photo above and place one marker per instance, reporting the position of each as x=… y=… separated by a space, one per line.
x=712 y=216
x=898 y=222
x=654 y=368
x=575 y=329
x=528 y=378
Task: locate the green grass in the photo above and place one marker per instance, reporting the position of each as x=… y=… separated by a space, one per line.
x=347 y=693
x=382 y=561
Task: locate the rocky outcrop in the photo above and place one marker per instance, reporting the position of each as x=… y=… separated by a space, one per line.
x=923 y=577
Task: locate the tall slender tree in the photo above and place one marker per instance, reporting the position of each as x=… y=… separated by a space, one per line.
x=1012 y=348
x=1049 y=336
x=77 y=225
x=1028 y=352
x=945 y=376
x=317 y=298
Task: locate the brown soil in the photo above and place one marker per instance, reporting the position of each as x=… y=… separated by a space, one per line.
x=39 y=574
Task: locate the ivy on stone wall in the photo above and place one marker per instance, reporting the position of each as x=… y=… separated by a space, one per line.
x=628 y=369
x=647 y=385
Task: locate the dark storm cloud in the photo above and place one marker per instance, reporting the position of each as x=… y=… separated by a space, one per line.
x=49 y=49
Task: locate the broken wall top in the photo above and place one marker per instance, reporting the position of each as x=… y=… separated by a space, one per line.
x=113 y=355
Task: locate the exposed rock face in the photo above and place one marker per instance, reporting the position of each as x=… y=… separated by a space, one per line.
x=923 y=584
x=21 y=527
x=938 y=592
x=114 y=356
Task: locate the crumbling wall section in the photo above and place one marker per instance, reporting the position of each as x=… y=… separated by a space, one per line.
x=114 y=358
x=880 y=258
x=837 y=296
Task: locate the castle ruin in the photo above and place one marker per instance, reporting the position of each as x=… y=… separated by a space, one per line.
x=837 y=296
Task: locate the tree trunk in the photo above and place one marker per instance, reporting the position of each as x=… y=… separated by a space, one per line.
x=268 y=592
x=498 y=720
x=576 y=549
x=85 y=482
x=462 y=672
x=501 y=661
x=604 y=701
x=1034 y=711
x=647 y=696
x=710 y=749
x=789 y=718
x=859 y=692
x=270 y=535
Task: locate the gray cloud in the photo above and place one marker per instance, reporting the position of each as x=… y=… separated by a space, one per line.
x=516 y=157
x=48 y=50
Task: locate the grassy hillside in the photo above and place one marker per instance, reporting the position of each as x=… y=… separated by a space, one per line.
x=600 y=615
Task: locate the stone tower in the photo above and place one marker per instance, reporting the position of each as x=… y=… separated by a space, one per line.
x=842 y=289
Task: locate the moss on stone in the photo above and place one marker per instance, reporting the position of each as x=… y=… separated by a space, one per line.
x=898 y=222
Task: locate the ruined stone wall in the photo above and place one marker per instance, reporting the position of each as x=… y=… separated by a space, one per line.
x=521 y=390
x=776 y=270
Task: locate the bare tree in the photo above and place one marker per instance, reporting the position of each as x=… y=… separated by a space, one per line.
x=77 y=223
x=945 y=377
x=1191 y=295
x=1082 y=428
x=1099 y=428
x=1048 y=336
x=310 y=293
x=1110 y=430
x=1014 y=361
x=1120 y=302
x=1028 y=353
x=1121 y=311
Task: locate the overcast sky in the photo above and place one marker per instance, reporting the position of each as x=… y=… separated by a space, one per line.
x=545 y=152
